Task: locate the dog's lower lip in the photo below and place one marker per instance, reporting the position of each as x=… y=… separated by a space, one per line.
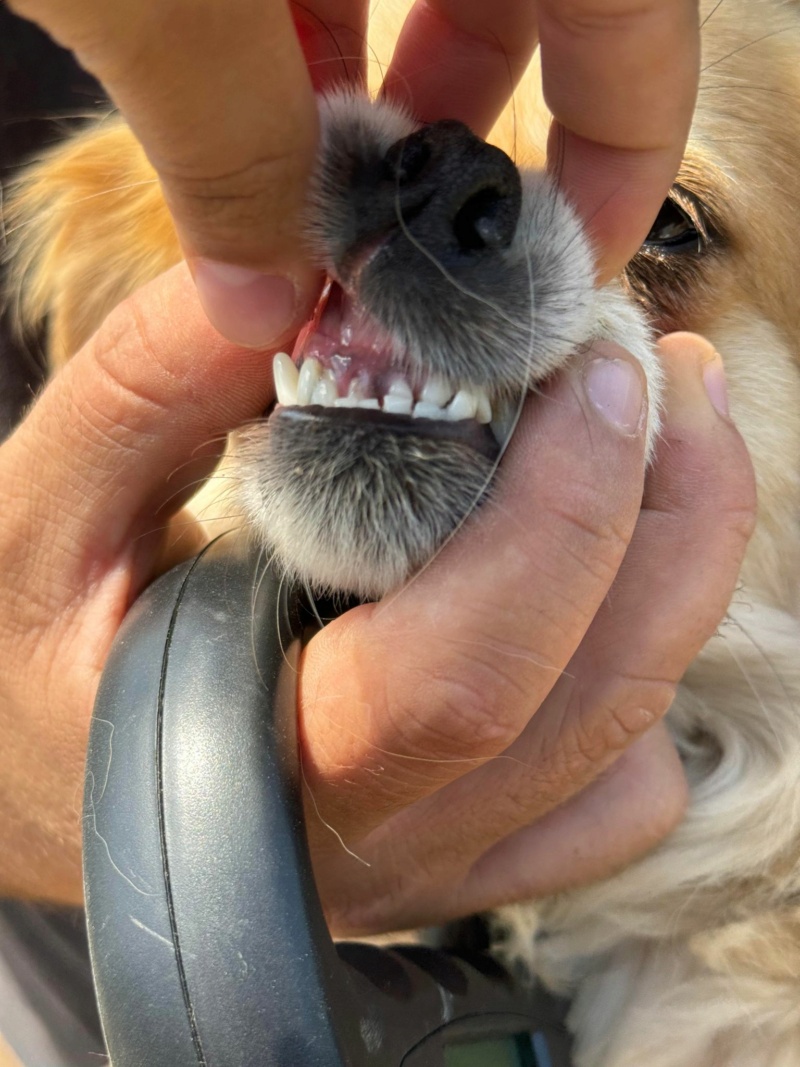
x=474 y=435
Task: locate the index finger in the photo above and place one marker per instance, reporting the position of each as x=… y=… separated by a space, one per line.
x=220 y=97
x=621 y=80
x=462 y=59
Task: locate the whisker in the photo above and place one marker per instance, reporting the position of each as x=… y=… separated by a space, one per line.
x=742 y=48
x=711 y=13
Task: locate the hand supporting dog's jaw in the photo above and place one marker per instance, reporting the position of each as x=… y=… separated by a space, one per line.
x=438 y=744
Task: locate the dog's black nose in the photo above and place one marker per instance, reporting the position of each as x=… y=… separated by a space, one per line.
x=443 y=191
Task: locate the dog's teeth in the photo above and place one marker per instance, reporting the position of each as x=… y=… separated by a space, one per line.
x=286 y=379
x=324 y=391
x=370 y=403
x=310 y=374
x=502 y=425
x=423 y=410
x=398 y=405
x=436 y=391
x=463 y=406
x=484 y=412
x=401 y=389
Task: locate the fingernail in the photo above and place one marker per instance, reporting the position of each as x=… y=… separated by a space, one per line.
x=716 y=386
x=249 y=308
x=615 y=390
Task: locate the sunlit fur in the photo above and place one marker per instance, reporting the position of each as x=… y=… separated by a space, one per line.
x=691 y=956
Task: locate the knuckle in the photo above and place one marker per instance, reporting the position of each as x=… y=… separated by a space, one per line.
x=131 y=379
x=588 y=20
x=610 y=723
x=472 y=714
x=258 y=195
x=593 y=537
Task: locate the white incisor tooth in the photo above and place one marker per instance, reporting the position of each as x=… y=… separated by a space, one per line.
x=286 y=377
x=356 y=390
x=400 y=389
x=399 y=400
x=436 y=391
x=310 y=374
x=463 y=406
x=325 y=392
x=397 y=405
x=428 y=411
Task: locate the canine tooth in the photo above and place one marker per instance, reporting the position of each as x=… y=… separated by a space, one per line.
x=398 y=405
x=423 y=410
x=324 y=392
x=310 y=374
x=370 y=403
x=463 y=406
x=286 y=378
x=484 y=412
x=436 y=391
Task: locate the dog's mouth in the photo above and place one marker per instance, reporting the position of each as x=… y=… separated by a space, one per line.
x=345 y=366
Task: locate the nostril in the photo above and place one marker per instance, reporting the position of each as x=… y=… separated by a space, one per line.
x=407 y=159
x=487 y=220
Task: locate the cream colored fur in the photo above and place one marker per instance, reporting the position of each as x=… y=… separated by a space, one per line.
x=691 y=956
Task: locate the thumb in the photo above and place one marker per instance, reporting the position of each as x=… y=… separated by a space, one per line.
x=121 y=437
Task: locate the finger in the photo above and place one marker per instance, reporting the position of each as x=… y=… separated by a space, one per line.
x=669 y=596
x=220 y=98
x=333 y=36
x=621 y=82
x=399 y=698
x=621 y=815
x=121 y=438
x=462 y=59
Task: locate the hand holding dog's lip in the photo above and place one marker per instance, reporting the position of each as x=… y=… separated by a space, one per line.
x=621 y=84
x=556 y=656
x=220 y=98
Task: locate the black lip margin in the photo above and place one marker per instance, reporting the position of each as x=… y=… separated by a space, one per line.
x=475 y=435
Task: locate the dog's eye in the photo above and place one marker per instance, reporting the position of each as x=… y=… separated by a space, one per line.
x=674 y=231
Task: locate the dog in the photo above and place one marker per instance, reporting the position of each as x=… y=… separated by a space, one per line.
x=690 y=957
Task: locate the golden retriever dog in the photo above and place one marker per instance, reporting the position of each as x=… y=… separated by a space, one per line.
x=417 y=358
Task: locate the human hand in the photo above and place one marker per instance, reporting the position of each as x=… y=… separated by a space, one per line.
x=38 y=805
x=221 y=99
x=491 y=732
x=433 y=684
x=620 y=80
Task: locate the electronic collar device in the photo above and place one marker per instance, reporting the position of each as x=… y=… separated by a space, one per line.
x=208 y=942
